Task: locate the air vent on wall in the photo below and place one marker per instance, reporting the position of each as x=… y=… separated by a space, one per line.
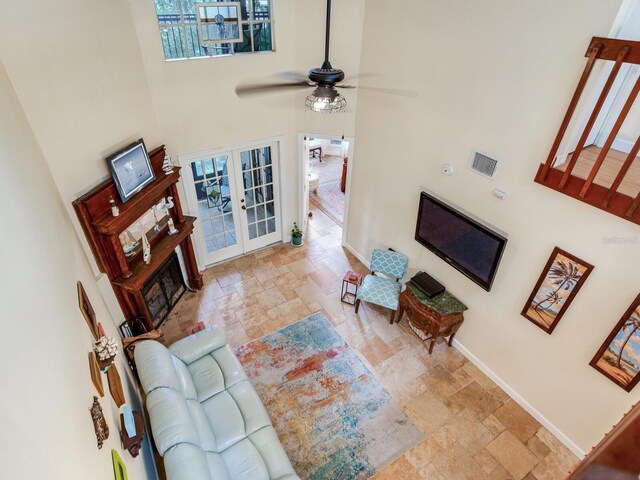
x=483 y=165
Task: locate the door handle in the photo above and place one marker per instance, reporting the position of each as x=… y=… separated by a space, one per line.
x=243 y=207
x=242 y=201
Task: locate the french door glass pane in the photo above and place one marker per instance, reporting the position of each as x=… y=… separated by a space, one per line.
x=214 y=202
x=257 y=175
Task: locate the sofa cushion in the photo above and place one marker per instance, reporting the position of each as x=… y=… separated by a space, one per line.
x=202 y=425
x=191 y=348
x=188 y=462
x=235 y=413
x=215 y=372
x=171 y=421
x=185 y=380
x=156 y=367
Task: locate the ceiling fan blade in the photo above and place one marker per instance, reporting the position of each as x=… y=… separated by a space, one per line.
x=248 y=90
x=388 y=91
x=294 y=76
x=359 y=76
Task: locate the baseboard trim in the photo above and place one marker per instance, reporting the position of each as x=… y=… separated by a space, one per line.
x=622 y=145
x=520 y=400
x=356 y=254
x=501 y=383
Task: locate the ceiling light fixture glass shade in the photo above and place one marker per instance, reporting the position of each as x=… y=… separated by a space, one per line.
x=325 y=99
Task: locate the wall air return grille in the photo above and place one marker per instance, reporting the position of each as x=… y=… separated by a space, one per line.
x=483 y=165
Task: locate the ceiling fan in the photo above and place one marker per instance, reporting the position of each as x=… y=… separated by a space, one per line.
x=325 y=98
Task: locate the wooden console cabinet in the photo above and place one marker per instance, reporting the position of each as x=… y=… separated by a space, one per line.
x=440 y=316
x=128 y=276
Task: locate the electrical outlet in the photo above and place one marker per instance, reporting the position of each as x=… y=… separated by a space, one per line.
x=500 y=194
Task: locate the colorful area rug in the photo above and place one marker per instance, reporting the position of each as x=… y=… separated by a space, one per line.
x=330 y=200
x=334 y=419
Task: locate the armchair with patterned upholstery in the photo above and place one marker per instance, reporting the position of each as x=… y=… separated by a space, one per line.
x=381 y=290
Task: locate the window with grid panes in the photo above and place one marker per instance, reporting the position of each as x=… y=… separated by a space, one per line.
x=177 y=20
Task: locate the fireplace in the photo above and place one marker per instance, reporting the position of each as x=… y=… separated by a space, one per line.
x=163 y=290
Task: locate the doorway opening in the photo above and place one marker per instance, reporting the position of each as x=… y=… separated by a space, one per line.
x=326 y=163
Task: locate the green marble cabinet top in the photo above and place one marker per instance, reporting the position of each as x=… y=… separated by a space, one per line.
x=444 y=304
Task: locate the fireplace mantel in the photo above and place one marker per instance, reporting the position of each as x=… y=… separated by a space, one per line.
x=128 y=276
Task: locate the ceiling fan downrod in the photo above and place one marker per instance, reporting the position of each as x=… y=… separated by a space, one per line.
x=326 y=74
x=327 y=36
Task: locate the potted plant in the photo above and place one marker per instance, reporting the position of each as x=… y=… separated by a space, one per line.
x=106 y=349
x=296 y=235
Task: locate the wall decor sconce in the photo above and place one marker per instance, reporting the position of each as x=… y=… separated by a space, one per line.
x=99 y=423
x=131 y=430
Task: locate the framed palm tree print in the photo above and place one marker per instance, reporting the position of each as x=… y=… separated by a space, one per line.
x=560 y=281
x=619 y=356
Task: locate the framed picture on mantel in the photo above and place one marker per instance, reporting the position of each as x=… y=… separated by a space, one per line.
x=560 y=281
x=131 y=169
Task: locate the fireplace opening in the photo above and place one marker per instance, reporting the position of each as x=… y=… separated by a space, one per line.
x=163 y=290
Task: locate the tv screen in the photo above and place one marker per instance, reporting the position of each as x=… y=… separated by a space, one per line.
x=462 y=242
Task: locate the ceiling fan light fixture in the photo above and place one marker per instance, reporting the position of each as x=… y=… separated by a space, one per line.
x=325 y=100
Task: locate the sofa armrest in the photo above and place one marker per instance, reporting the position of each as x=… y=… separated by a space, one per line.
x=196 y=346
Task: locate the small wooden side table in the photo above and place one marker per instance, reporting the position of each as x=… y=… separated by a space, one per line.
x=350 y=278
x=431 y=318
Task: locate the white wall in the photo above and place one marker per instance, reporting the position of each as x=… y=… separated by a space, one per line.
x=497 y=76
x=77 y=69
x=47 y=431
x=196 y=104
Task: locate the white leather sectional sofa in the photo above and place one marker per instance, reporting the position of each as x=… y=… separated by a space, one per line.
x=207 y=420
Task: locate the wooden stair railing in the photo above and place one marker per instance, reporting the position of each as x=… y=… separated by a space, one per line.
x=616 y=456
x=609 y=199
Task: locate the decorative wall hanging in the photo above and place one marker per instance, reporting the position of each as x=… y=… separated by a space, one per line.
x=131 y=430
x=87 y=310
x=96 y=374
x=106 y=350
x=131 y=169
x=560 y=281
x=115 y=386
x=99 y=423
x=219 y=22
x=119 y=468
x=619 y=356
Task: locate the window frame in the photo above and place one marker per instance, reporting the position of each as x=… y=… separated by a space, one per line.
x=184 y=24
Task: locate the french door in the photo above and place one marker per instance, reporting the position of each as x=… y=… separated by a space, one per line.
x=235 y=195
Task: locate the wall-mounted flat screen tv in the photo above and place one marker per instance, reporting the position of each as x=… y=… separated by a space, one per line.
x=462 y=242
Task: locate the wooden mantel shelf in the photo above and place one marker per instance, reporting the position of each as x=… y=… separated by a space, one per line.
x=107 y=224
x=159 y=253
x=129 y=275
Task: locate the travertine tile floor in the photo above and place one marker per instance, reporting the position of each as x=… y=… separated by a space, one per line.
x=473 y=429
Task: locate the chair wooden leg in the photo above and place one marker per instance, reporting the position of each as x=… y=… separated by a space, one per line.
x=357 y=305
x=393 y=316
